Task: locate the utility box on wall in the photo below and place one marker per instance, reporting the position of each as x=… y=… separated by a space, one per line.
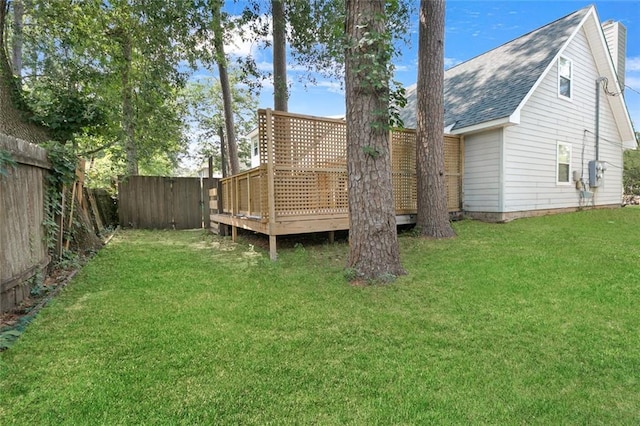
x=596 y=172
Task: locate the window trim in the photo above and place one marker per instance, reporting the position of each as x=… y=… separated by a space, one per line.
x=558 y=163
x=560 y=95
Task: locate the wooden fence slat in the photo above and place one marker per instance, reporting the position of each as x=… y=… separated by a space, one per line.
x=23 y=247
x=155 y=202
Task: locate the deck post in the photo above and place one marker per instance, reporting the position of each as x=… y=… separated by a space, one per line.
x=273 y=253
x=223 y=229
x=236 y=195
x=332 y=237
x=271 y=192
x=234 y=233
x=248 y=194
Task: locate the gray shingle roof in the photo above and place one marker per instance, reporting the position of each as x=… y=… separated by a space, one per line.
x=492 y=85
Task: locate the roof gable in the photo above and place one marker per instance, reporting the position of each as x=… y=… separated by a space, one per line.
x=606 y=70
x=493 y=85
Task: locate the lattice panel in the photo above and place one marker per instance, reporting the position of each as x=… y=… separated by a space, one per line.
x=255 y=196
x=306 y=142
x=262 y=137
x=405 y=192
x=310 y=193
x=453 y=171
x=243 y=198
x=453 y=192
x=310 y=166
x=332 y=192
x=403 y=163
x=452 y=157
x=226 y=196
x=403 y=152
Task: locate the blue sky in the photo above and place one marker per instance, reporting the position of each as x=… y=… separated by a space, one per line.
x=471 y=28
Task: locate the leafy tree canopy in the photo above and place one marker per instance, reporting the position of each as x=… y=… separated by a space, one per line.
x=204 y=100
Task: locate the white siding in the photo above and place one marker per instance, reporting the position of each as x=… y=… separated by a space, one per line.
x=255 y=150
x=530 y=147
x=481 y=183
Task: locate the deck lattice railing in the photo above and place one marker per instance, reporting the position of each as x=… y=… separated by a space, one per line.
x=303 y=171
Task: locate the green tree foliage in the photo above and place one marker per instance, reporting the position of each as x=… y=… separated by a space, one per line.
x=15 y=117
x=631 y=173
x=318 y=42
x=206 y=112
x=109 y=71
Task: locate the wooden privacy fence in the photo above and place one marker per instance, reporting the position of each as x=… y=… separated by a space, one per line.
x=301 y=183
x=23 y=247
x=155 y=202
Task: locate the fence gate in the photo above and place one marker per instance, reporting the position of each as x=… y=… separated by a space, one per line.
x=155 y=202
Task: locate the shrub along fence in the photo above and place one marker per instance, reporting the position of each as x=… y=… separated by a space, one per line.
x=23 y=246
x=156 y=202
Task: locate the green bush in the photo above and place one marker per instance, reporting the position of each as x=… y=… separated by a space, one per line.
x=631 y=174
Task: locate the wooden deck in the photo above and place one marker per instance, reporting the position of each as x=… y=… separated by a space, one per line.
x=301 y=183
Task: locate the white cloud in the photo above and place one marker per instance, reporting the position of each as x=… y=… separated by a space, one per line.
x=266 y=66
x=633 y=64
x=240 y=45
x=331 y=86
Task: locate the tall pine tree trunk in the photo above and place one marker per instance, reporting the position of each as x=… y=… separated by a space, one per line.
x=227 y=102
x=373 y=242
x=433 y=215
x=280 y=90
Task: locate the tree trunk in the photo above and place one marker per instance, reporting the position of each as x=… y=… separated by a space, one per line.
x=218 y=44
x=223 y=156
x=128 y=117
x=280 y=90
x=373 y=242
x=433 y=216
x=18 y=17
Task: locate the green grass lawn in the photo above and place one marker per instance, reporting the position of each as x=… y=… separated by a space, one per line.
x=534 y=321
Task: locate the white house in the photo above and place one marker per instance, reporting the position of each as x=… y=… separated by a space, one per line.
x=255 y=148
x=543 y=120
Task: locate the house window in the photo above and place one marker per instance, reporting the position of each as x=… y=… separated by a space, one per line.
x=563 y=169
x=565 y=76
x=255 y=148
